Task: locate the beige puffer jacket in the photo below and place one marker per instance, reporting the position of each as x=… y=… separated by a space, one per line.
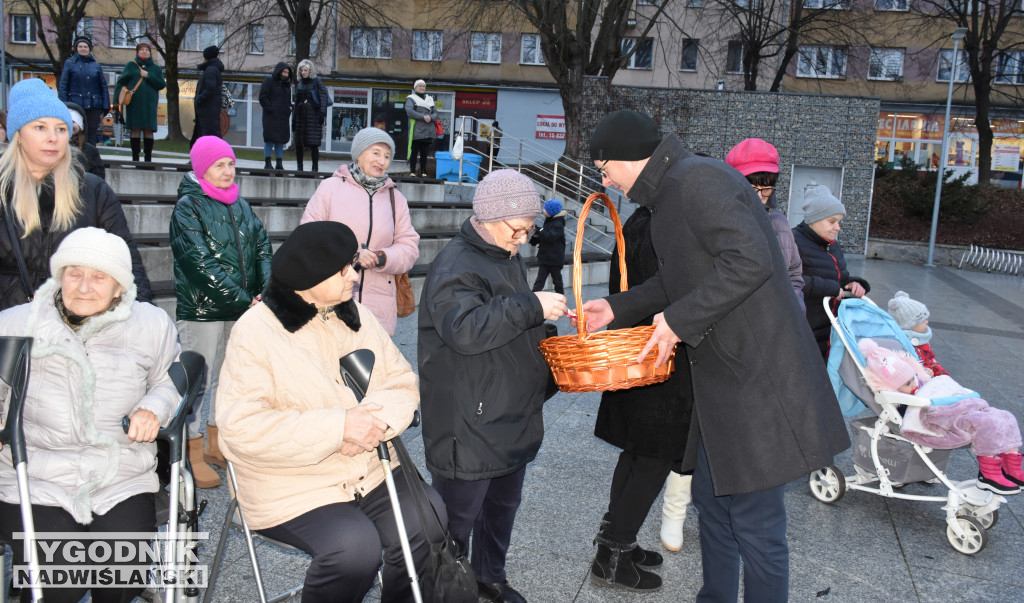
x=281 y=408
x=80 y=386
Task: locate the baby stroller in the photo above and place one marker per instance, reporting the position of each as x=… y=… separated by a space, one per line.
x=884 y=460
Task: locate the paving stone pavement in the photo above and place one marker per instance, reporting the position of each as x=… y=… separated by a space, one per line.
x=863 y=548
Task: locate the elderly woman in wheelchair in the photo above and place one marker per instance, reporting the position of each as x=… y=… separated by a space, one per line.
x=300 y=442
x=98 y=355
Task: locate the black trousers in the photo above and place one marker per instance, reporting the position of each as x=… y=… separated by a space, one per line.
x=636 y=482
x=135 y=514
x=487 y=509
x=345 y=541
x=314 y=154
x=543 y=270
x=422 y=147
x=92 y=124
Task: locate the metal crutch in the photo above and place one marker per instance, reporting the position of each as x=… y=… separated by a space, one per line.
x=14 y=368
x=356 y=368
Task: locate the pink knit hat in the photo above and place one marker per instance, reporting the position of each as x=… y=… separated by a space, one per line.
x=504 y=195
x=207 y=151
x=754 y=155
x=888 y=370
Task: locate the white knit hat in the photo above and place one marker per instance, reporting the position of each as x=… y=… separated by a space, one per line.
x=908 y=312
x=98 y=249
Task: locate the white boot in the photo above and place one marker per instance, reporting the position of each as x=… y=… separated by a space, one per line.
x=673 y=513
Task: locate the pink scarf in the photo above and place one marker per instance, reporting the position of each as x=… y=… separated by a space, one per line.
x=227 y=196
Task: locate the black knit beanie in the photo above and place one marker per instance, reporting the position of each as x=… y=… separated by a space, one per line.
x=313 y=253
x=81 y=39
x=624 y=135
x=210 y=52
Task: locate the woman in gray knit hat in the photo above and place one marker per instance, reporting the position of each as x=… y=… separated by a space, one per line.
x=362 y=197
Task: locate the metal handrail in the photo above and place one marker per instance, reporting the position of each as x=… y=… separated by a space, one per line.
x=565 y=179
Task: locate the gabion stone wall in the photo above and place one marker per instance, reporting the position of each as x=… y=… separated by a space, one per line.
x=807 y=129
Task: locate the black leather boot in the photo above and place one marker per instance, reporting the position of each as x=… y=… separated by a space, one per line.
x=136 y=147
x=641 y=556
x=613 y=567
x=147 y=147
x=266 y=164
x=280 y=164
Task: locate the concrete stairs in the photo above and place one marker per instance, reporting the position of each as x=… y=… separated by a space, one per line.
x=437 y=209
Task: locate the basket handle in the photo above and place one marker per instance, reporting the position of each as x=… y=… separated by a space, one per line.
x=577 y=257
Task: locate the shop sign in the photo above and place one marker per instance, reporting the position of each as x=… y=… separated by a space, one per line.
x=915 y=126
x=551 y=127
x=480 y=101
x=1005 y=157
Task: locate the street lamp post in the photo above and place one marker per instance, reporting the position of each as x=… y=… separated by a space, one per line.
x=958 y=35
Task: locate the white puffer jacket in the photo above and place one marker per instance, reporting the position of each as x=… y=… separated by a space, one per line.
x=80 y=386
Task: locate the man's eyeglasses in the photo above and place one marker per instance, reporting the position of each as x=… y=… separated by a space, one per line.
x=519 y=232
x=604 y=174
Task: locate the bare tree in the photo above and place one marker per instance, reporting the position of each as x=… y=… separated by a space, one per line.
x=306 y=17
x=64 y=17
x=994 y=32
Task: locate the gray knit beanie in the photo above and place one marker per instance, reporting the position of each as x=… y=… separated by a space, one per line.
x=908 y=312
x=97 y=249
x=367 y=137
x=819 y=203
x=504 y=195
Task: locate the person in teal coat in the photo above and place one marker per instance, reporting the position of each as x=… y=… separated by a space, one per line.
x=146 y=78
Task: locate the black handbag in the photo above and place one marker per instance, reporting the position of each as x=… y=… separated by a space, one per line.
x=447 y=577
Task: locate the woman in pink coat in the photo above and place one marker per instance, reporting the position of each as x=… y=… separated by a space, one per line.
x=362 y=197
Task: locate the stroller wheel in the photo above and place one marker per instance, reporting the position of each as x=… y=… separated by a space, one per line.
x=987 y=520
x=827 y=484
x=975 y=537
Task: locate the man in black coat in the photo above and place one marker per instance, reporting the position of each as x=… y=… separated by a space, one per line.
x=208 y=92
x=764 y=412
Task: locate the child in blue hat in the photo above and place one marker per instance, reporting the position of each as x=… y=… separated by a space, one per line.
x=550 y=241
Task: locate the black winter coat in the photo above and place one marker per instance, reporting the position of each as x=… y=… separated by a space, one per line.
x=824 y=274
x=550 y=240
x=207 y=101
x=482 y=377
x=310 y=112
x=100 y=208
x=763 y=404
x=276 y=100
x=652 y=420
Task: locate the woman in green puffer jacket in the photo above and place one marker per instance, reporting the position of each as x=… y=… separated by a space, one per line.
x=221 y=265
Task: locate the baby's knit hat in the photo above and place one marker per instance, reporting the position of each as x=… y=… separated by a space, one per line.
x=98 y=249
x=32 y=99
x=504 y=195
x=908 y=312
x=887 y=370
x=820 y=203
x=552 y=207
x=207 y=151
x=367 y=137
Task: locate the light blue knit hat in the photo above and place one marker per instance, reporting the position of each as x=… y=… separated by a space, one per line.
x=32 y=99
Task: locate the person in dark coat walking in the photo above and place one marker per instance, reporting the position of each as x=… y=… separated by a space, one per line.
x=82 y=82
x=38 y=211
x=650 y=424
x=147 y=79
x=550 y=241
x=276 y=100
x=311 y=104
x=824 y=265
x=482 y=377
x=208 y=92
x=764 y=410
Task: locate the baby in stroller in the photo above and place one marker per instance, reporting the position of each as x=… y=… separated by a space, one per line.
x=956 y=416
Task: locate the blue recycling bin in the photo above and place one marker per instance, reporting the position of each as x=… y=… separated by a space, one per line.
x=448 y=168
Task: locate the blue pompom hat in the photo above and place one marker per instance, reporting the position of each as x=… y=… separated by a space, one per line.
x=552 y=207
x=31 y=100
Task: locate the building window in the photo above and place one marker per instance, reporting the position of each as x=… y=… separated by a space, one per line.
x=830 y=4
x=256 y=39
x=23 y=29
x=689 y=55
x=126 y=33
x=530 y=53
x=1010 y=67
x=643 y=58
x=427 y=45
x=694 y=3
x=963 y=7
x=371 y=43
x=822 y=62
x=749 y=4
x=486 y=48
x=312 y=46
x=963 y=73
x=885 y=64
x=734 y=57
x=890 y=4
x=202 y=35
x=84 y=28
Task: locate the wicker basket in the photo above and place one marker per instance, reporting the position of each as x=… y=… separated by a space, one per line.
x=606 y=360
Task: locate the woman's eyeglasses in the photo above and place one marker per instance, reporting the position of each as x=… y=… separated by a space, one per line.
x=764 y=190
x=519 y=232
